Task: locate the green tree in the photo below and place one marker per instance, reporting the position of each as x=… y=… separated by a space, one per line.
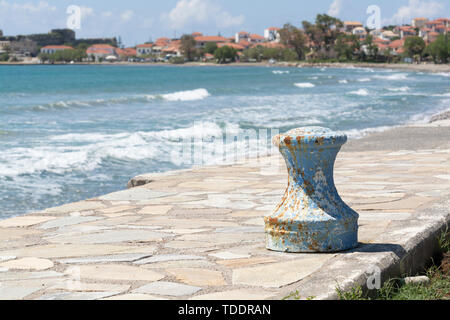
x=314 y=34
x=330 y=28
x=414 y=46
x=64 y=56
x=294 y=38
x=255 y=53
x=4 y=56
x=371 y=48
x=225 y=54
x=343 y=49
x=439 y=49
x=210 y=47
x=323 y=34
x=188 y=47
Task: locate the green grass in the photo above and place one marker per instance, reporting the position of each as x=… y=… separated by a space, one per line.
x=395 y=289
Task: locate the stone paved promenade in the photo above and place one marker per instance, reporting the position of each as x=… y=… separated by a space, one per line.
x=199 y=234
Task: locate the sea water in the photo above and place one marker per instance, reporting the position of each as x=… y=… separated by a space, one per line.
x=68 y=133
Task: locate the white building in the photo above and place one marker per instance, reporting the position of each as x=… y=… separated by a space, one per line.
x=360 y=32
x=243 y=35
x=144 y=49
x=99 y=52
x=4 y=45
x=272 y=34
x=53 y=49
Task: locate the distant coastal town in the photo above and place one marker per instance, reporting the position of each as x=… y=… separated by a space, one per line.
x=327 y=39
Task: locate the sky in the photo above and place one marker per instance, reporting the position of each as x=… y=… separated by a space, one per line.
x=138 y=21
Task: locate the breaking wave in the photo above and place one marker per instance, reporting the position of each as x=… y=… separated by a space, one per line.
x=360 y=92
x=400 y=89
x=189 y=95
x=92 y=149
x=395 y=76
x=280 y=72
x=304 y=85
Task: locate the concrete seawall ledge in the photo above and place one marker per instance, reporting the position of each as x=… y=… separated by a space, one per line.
x=199 y=233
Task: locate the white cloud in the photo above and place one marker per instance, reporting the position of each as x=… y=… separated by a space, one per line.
x=28 y=17
x=126 y=15
x=106 y=14
x=335 y=8
x=200 y=12
x=416 y=8
x=27 y=7
x=225 y=20
x=146 y=23
x=86 y=12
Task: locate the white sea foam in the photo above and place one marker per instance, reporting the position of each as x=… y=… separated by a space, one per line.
x=343 y=81
x=280 y=72
x=443 y=74
x=304 y=85
x=189 y=95
x=400 y=89
x=360 y=133
x=395 y=76
x=361 y=68
x=363 y=80
x=94 y=148
x=441 y=94
x=360 y=92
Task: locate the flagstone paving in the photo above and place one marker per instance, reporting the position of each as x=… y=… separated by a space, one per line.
x=199 y=234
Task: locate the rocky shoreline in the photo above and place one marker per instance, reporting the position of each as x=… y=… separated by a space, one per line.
x=440 y=116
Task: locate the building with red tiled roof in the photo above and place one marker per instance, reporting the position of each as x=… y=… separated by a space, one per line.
x=162 y=40
x=99 y=52
x=208 y=57
x=201 y=41
x=126 y=53
x=360 y=32
x=53 y=49
x=405 y=31
x=381 y=41
x=350 y=25
x=272 y=34
x=400 y=50
x=232 y=45
x=243 y=35
x=431 y=36
x=245 y=43
x=433 y=23
x=160 y=44
x=256 y=38
x=196 y=34
x=144 y=49
x=270 y=45
x=174 y=47
x=440 y=28
x=419 y=22
x=396 y=46
x=382 y=47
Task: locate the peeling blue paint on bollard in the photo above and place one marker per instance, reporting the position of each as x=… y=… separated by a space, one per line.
x=311 y=216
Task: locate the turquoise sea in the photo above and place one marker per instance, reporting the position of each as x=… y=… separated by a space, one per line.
x=69 y=133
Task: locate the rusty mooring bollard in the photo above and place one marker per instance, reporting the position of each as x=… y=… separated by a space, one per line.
x=311 y=216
